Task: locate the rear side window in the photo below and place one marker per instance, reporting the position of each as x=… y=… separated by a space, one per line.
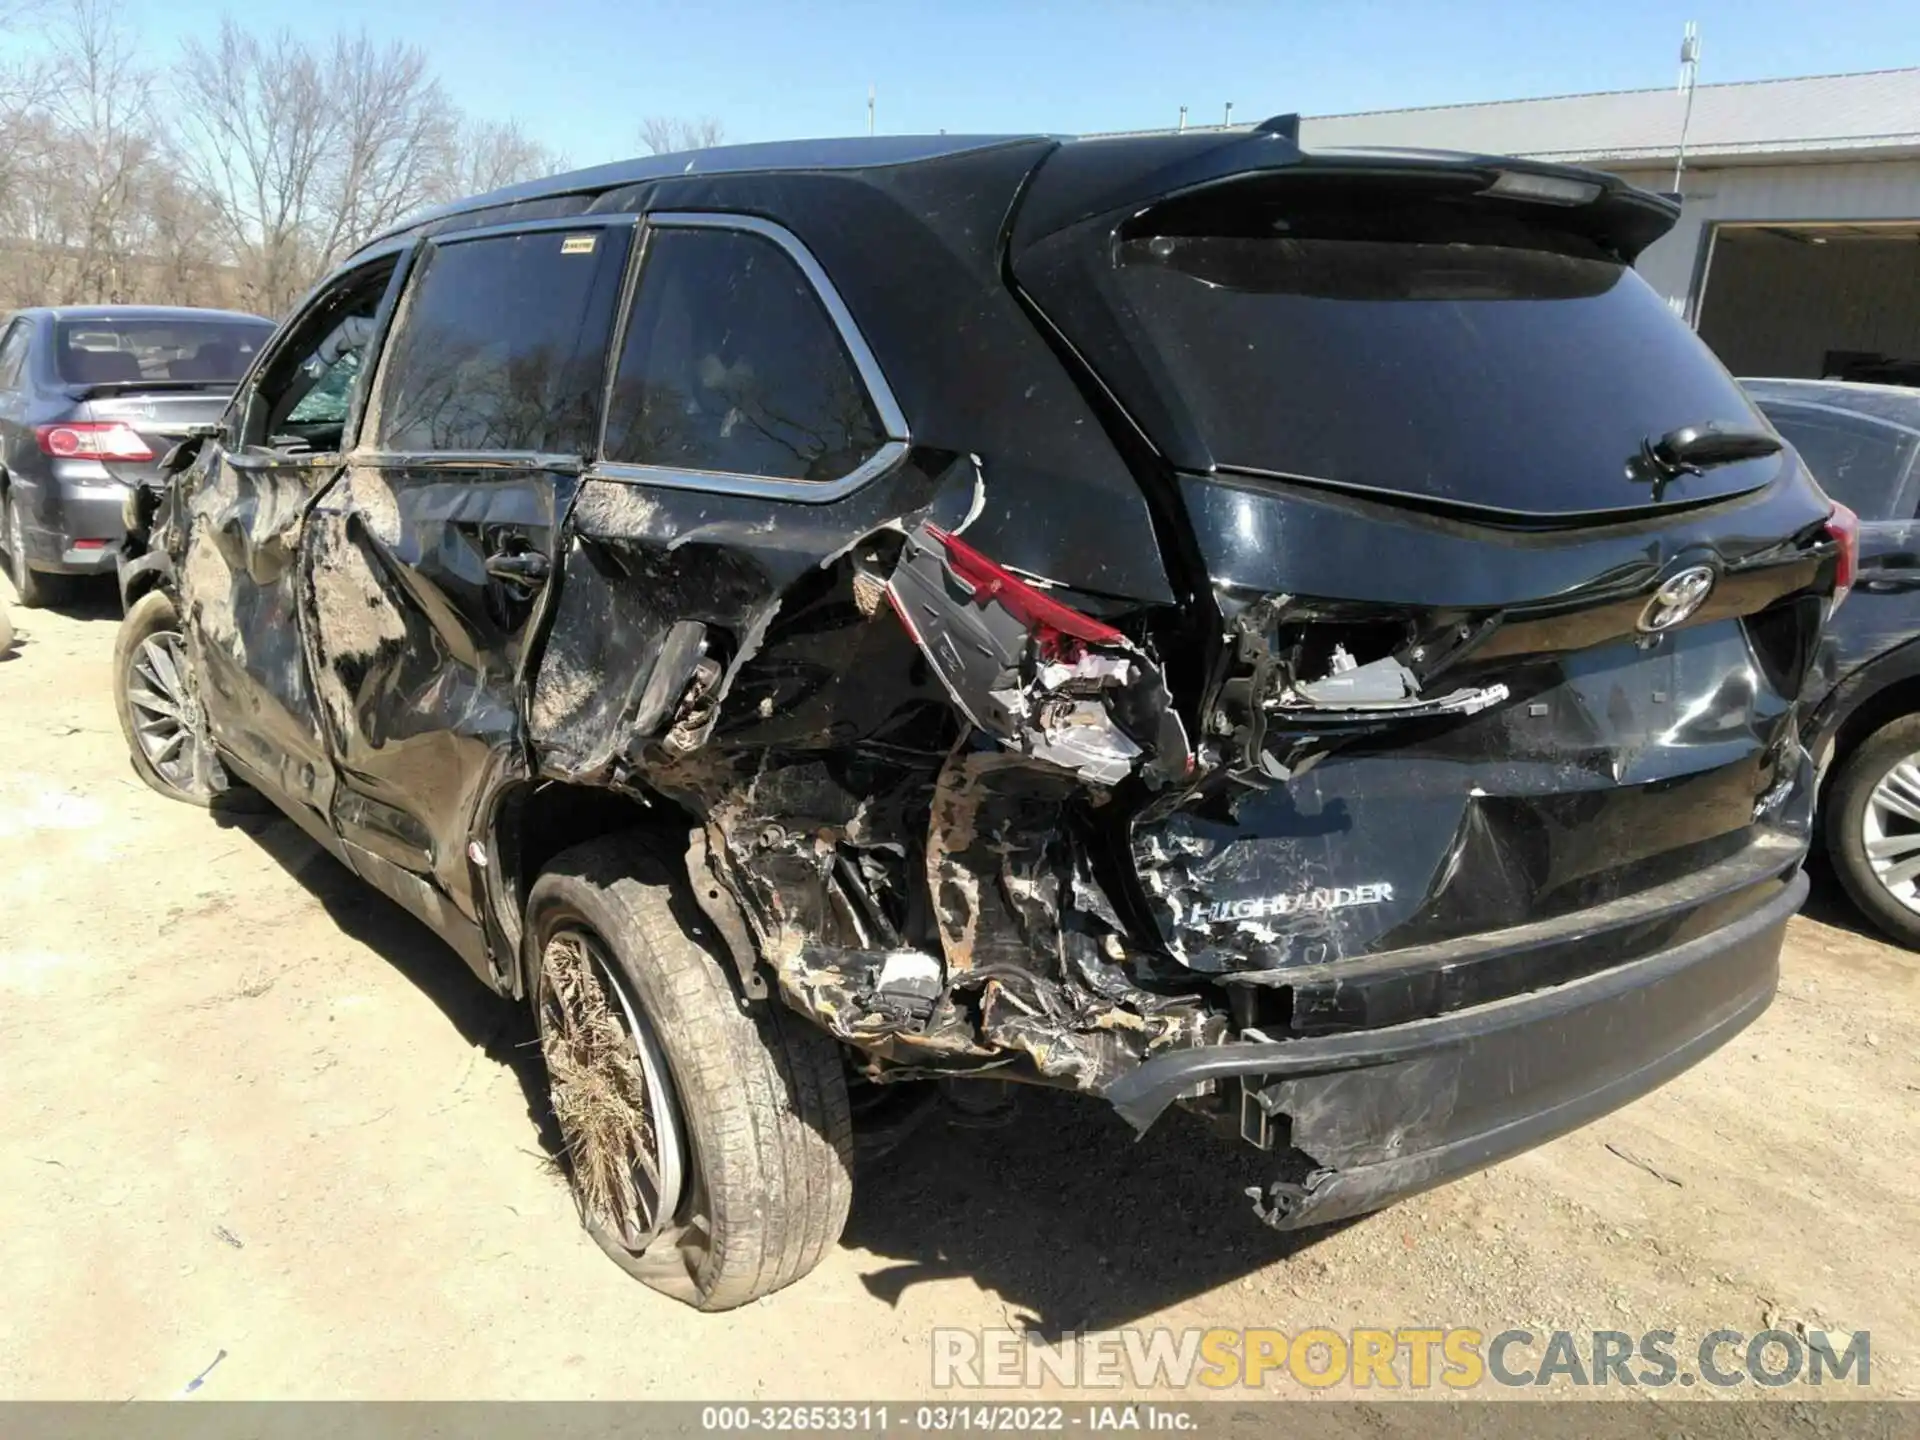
x=1858 y=463
x=732 y=364
x=130 y=351
x=500 y=344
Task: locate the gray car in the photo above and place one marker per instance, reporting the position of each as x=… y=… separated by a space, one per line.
x=91 y=398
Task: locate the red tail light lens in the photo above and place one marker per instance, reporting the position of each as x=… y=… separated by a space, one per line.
x=1844 y=528
x=1030 y=606
x=92 y=440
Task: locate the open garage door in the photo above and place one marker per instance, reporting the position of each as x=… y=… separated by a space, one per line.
x=1815 y=301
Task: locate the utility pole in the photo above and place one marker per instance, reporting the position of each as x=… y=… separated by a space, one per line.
x=1689 y=72
x=871 y=96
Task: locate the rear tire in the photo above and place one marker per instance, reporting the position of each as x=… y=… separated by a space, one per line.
x=1858 y=824
x=156 y=697
x=33 y=589
x=755 y=1099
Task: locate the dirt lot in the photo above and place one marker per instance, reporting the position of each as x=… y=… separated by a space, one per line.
x=253 y=1107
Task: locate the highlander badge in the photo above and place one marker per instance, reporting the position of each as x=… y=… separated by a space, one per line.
x=1261 y=906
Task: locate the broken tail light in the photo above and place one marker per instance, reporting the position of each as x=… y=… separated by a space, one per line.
x=1046 y=617
x=92 y=440
x=1843 y=527
x=1036 y=675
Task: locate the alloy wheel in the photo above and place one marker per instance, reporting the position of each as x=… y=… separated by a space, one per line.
x=166 y=716
x=1890 y=831
x=611 y=1093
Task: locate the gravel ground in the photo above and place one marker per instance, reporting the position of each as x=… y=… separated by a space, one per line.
x=254 y=1108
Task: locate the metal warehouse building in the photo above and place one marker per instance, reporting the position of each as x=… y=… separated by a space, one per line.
x=1798 y=249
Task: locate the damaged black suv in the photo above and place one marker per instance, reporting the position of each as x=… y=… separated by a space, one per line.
x=1309 y=637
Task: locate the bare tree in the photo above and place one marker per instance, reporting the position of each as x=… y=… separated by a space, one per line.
x=102 y=110
x=177 y=240
x=282 y=157
x=305 y=155
x=22 y=76
x=491 y=154
x=664 y=134
x=82 y=168
x=396 y=137
x=38 y=213
x=257 y=136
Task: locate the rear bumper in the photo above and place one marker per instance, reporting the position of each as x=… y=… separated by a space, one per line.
x=1371 y=1116
x=75 y=560
x=73 y=522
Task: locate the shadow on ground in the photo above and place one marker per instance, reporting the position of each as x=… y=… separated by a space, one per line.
x=1064 y=1214
x=503 y=1028
x=78 y=597
x=1829 y=903
x=1067 y=1217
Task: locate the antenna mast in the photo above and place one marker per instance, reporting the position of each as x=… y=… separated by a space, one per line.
x=1689 y=72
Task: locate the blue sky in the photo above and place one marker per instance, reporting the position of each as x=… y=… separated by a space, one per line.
x=580 y=74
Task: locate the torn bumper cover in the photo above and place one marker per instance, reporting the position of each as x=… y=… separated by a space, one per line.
x=1025 y=982
x=1368 y=1117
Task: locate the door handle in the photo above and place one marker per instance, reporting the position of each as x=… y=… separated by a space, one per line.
x=524 y=568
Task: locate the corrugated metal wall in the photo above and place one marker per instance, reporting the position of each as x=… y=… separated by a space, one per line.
x=1776 y=306
x=1878 y=190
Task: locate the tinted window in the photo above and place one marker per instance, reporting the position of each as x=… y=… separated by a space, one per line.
x=128 y=351
x=500 y=345
x=13 y=350
x=732 y=364
x=1857 y=462
x=1366 y=336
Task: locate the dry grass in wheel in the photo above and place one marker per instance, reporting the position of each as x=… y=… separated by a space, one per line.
x=599 y=1090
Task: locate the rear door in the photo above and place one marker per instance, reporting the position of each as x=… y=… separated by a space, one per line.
x=429 y=559
x=749 y=439
x=244 y=504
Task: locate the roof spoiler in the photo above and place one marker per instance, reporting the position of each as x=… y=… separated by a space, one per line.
x=1085 y=180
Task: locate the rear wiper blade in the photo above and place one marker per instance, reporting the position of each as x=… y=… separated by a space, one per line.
x=1693 y=448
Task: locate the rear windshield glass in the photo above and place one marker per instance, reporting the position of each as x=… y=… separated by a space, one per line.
x=1465 y=362
x=210 y=352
